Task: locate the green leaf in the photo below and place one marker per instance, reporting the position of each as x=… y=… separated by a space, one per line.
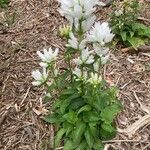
x=93 y=129
x=123 y=35
x=91 y=116
x=84 y=108
x=82 y=146
x=141 y=29
x=4 y=3
x=131 y=33
x=69 y=127
x=98 y=145
x=105 y=135
x=71 y=117
x=67 y=101
x=135 y=42
x=145 y=33
x=61 y=81
x=53 y=118
x=110 y=112
x=78 y=132
x=138 y=26
x=69 y=145
x=59 y=136
x=108 y=127
x=102 y=101
x=89 y=138
x=68 y=91
x=76 y=104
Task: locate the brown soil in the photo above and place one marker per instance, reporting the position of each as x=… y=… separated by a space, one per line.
x=35 y=26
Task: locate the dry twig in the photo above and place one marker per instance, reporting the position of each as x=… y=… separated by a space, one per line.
x=140 y=48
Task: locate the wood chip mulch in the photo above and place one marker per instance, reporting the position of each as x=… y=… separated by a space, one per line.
x=35 y=26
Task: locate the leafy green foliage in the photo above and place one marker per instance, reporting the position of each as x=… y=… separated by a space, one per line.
x=4 y=3
x=84 y=118
x=125 y=25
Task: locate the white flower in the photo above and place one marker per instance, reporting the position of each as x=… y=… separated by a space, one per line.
x=85 y=58
x=47 y=56
x=95 y=79
x=39 y=77
x=102 y=52
x=79 y=73
x=73 y=42
x=100 y=33
x=96 y=65
x=75 y=10
x=78 y=8
x=56 y=72
x=87 y=24
x=104 y=59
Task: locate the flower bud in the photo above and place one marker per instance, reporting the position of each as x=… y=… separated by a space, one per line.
x=64 y=31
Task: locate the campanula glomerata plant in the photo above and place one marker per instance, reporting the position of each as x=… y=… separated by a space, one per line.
x=84 y=106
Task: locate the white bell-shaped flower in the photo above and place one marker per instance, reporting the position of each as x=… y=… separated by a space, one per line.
x=88 y=23
x=39 y=77
x=79 y=74
x=73 y=42
x=96 y=65
x=47 y=56
x=102 y=52
x=75 y=10
x=85 y=58
x=100 y=33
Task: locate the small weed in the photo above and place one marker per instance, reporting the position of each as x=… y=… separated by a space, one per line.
x=4 y=3
x=124 y=23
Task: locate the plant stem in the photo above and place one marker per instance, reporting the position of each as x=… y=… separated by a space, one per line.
x=69 y=64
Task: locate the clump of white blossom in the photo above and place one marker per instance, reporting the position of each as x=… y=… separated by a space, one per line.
x=87 y=38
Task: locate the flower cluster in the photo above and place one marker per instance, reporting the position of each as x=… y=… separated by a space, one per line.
x=47 y=58
x=82 y=33
x=79 y=10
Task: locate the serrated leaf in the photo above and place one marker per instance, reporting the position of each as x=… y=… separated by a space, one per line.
x=59 y=136
x=135 y=42
x=110 y=112
x=89 y=138
x=78 y=132
x=69 y=145
x=84 y=108
x=123 y=35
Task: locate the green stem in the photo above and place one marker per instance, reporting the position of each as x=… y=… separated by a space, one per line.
x=69 y=64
